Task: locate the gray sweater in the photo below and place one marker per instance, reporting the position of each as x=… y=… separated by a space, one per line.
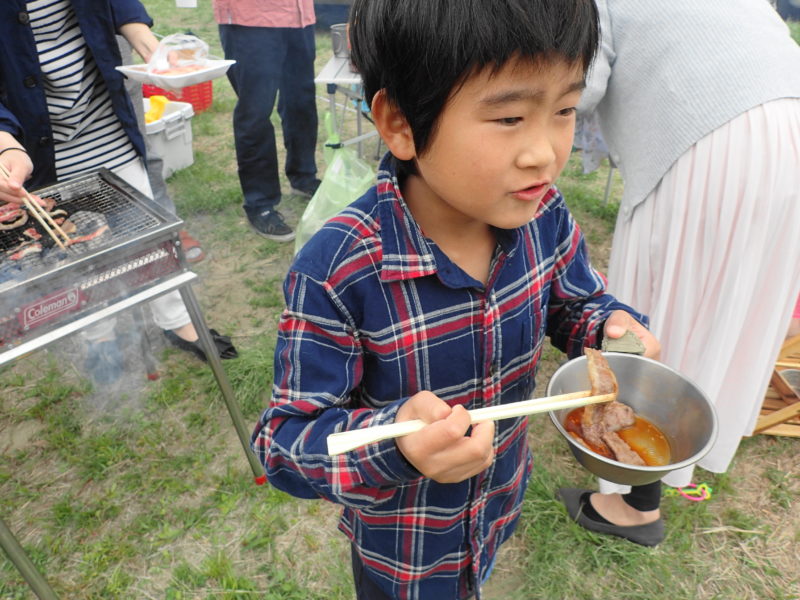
x=669 y=73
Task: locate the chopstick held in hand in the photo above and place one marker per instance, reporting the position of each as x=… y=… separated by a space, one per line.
x=345 y=441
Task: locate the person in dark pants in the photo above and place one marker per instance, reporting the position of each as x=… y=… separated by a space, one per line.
x=274 y=49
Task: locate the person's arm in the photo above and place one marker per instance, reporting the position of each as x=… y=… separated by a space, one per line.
x=133 y=23
x=579 y=305
x=141 y=39
x=318 y=365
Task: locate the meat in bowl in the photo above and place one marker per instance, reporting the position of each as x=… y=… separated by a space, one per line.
x=612 y=429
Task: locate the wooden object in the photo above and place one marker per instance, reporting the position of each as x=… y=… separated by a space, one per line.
x=780 y=413
x=350 y=440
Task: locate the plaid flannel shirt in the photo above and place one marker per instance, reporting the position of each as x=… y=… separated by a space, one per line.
x=375 y=313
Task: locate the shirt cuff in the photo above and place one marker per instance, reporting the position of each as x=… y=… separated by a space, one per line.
x=382 y=463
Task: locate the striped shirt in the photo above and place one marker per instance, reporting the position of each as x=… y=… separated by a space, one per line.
x=375 y=313
x=86 y=132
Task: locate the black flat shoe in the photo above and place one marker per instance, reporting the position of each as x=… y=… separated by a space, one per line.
x=650 y=534
x=223 y=343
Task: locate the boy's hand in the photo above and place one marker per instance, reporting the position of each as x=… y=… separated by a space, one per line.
x=442 y=451
x=620 y=321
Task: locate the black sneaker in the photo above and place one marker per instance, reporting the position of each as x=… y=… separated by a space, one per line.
x=307 y=190
x=271 y=225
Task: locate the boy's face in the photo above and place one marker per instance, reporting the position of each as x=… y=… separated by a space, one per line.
x=501 y=142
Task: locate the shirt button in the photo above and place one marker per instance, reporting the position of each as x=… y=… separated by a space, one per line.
x=23 y=18
x=29 y=81
x=44 y=140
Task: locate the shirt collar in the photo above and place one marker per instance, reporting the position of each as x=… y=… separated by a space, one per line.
x=407 y=253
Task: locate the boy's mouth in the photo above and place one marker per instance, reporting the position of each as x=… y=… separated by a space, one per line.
x=531 y=193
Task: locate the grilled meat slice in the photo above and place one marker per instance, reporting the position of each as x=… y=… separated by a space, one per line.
x=600 y=422
x=601 y=377
x=617 y=415
x=91 y=229
x=622 y=452
x=12 y=216
x=592 y=425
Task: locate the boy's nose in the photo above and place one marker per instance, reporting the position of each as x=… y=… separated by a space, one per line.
x=536 y=151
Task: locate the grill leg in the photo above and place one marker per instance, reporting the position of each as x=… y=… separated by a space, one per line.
x=214 y=361
x=144 y=340
x=24 y=564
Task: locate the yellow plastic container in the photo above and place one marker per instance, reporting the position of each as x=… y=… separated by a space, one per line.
x=156 y=110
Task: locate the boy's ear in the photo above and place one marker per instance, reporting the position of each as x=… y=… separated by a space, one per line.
x=393 y=127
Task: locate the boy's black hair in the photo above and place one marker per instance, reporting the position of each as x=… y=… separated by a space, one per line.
x=420 y=51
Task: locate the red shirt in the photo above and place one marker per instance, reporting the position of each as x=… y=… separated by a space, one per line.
x=265 y=13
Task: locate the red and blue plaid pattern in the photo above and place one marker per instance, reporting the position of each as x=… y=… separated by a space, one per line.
x=376 y=313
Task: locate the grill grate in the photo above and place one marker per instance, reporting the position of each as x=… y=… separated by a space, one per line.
x=95 y=192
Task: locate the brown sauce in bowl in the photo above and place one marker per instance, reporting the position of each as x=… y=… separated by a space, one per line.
x=643 y=437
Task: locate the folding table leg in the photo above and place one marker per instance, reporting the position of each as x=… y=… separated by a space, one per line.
x=24 y=565
x=332 y=102
x=214 y=361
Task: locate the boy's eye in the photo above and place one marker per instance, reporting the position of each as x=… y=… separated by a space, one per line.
x=567 y=112
x=509 y=120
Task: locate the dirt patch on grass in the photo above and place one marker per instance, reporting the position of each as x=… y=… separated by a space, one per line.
x=16 y=436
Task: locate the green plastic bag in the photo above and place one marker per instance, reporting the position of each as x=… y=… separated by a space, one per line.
x=346 y=179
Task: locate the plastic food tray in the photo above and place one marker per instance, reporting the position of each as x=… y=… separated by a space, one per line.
x=215 y=68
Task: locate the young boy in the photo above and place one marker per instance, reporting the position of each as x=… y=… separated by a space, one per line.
x=432 y=294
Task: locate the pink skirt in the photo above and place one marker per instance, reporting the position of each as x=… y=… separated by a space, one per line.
x=713 y=257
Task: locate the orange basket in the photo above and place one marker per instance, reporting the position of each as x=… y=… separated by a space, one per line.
x=199 y=96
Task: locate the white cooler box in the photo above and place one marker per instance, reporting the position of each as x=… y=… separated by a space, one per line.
x=170 y=137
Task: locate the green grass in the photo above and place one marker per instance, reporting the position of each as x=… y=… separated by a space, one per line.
x=794 y=28
x=146 y=493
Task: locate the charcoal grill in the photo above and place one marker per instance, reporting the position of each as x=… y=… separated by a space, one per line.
x=141 y=259
x=141 y=250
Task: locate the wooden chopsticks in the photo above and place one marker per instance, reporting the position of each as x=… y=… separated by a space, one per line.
x=41 y=215
x=350 y=440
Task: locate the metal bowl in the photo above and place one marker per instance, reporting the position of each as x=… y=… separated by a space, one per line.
x=663 y=396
